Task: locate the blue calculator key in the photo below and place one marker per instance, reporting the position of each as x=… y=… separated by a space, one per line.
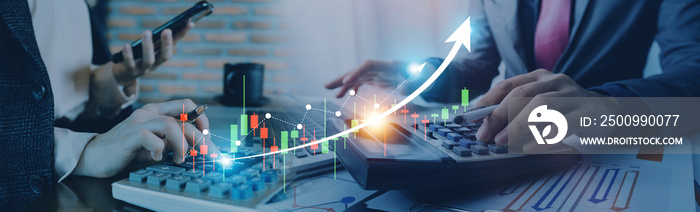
x=259 y=166
x=242 y=192
x=497 y=149
x=480 y=150
x=453 y=125
x=444 y=131
x=232 y=168
x=454 y=136
x=257 y=184
x=299 y=153
x=463 y=130
x=196 y=186
x=269 y=176
x=443 y=123
x=214 y=176
x=176 y=182
x=481 y=143
x=449 y=144
x=250 y=173
x=193 y=173
x=470 y=135
x=462 y=151
x=220 y=189
x=236 y=180
x=157 y=178
x=435 y=127
x=139 y=176
x=467 y=143
x=314 y=151
x=166 y=169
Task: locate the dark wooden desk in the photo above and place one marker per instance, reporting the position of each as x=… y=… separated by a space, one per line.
x=77 y=193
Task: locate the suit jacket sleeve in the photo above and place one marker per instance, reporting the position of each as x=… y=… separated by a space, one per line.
x=679 y=39
x=475 y=70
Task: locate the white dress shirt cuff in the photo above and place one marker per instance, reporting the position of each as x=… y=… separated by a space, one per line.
x=68 y=148
x=129 y=97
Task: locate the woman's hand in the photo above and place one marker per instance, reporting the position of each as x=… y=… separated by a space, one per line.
x=130 y=69
x=144 y=136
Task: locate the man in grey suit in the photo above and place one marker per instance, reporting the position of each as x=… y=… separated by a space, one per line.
x=561 y=48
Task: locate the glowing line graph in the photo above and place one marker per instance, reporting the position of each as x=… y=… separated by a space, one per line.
x=461 y=36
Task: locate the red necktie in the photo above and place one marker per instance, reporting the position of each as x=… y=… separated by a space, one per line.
x=552 y=32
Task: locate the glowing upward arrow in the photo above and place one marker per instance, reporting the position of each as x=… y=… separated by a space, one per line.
x=460 y=37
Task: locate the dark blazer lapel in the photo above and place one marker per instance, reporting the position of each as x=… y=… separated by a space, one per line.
x=578 y=16
x=16 y=15
x=579 y=12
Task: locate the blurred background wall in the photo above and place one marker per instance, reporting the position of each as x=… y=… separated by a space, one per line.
x=237 y=31
x=302 y=43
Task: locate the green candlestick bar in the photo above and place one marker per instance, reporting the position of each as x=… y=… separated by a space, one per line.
x=445 y=114
x=465 y=98
x=234 y=138
x=285 y=139
x=244 y=124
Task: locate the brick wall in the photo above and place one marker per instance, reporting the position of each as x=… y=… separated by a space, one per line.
x=238 y=31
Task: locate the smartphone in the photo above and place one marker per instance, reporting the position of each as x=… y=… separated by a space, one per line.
x=193 y=14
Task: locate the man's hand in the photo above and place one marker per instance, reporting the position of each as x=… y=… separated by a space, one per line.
x=378 y=73
x=144 y=136
x=130 y=69
x=540 y=85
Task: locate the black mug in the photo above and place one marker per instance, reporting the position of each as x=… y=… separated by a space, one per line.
x=243 y=84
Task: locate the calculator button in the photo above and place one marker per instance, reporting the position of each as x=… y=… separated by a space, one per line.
x=463 y=130
x=467 y=143
x=242 y=192
x=236 y=180
x=469 y=135
x=139 y=176
x=462 y=151
x=480 y=150
x=497 y=149
x=299 y=153
x=449 y=144
x=250 y=173
x=214 y=176
x=176 y=182
x=258 y=167
x=453 y=125
x=454 y=136
x=269 y=176
x=157 y=178
x=166 y=169
x=435 y=127
x=444 y=131
x=256 y=183
x=314 y=151
x=193 y=173
x=196 y=186
x=481 y=143
x=220 y=189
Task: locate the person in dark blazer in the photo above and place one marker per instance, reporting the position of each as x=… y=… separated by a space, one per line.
x=560 y=48
x=41 y=43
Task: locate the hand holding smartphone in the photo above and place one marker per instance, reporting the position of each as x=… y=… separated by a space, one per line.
x=177 y=24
